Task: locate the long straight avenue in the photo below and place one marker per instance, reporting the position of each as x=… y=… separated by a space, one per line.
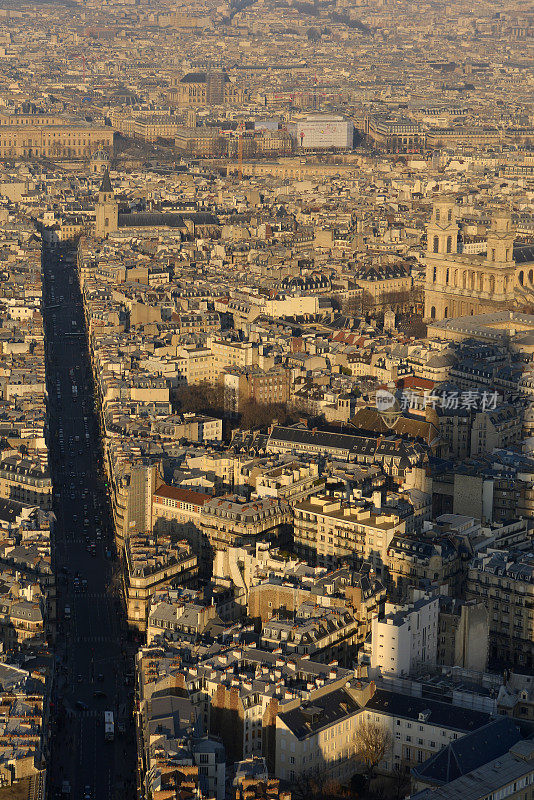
x=94 y=671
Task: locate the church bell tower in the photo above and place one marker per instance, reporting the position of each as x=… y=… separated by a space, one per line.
x=106 y=209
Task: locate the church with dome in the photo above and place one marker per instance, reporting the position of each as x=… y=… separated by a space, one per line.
x=461 y=284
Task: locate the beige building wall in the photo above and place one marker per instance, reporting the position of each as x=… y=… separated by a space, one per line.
x=57 y=141
x=330 y=531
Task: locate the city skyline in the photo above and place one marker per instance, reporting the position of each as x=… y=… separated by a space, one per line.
x=266 y=400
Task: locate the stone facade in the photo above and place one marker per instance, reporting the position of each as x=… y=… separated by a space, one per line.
x=459 y=284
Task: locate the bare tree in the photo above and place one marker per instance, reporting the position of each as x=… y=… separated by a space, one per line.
x=401 y=780
x=203 y=398
x=317 y=785
x=373 y=742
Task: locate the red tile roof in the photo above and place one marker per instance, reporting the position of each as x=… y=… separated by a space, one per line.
x=182 y=495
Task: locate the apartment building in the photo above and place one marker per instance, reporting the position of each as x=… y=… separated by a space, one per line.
x=24 y=717
x=501 y=428
x=155 y=126
x=178 y=505
x=25 y=481
x=227 y=353
x=467 y=433
x=385 y=285
x=415 y=560
x=418 y=727
x=194 y=427
x=196 y=364
x=21 y=621
x=231 y=521
x=463 y=634
x=293 y=481
x=153 y=563
x=244 y=689
x=317 y=736
x=223 y=468
x=325 y=635
x=516 y=696
x=396 y=455
x=406 y=639
x=242 y=384
x=193 y=322
x=328 y=530
x=178 y=512
x=177 y=620
x=504 y=581
x=273 y=591
x=254 y=783
x=133 y=486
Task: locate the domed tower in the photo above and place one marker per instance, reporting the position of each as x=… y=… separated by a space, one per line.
x=99 y=163
x=107 y=209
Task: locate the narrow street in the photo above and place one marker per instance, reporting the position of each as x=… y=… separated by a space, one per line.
x=94 y=672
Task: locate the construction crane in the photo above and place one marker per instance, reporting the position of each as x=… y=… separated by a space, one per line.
x=82 y=56
x=240 y=151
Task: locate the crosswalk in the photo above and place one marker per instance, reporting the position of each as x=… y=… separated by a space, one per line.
x=91 y=713
x=95 y=639
x=76 y=539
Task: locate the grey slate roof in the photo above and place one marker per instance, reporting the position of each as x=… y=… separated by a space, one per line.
x=309 y=718
x=470 y=752
x=442 y=715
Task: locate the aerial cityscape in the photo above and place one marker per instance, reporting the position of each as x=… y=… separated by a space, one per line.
x=267 y=400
